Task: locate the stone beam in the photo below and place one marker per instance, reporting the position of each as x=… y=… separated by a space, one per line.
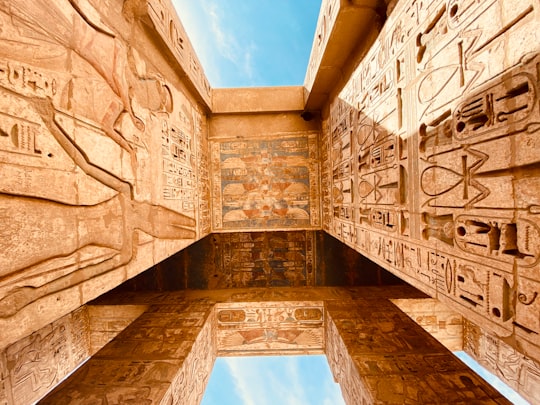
x=164 y=356
x=518 y=371
x=344 y=30
x=377 y=353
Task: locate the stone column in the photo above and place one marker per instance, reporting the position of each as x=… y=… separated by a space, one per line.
x=165 y=356
x=379 y=355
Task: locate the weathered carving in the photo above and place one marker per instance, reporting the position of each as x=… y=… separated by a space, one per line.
x=79 y=108
x=443 y=117
x=260 y=259
x=517 y=370
x=290 y=328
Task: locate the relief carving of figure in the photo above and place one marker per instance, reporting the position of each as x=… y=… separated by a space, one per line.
x=60 y=236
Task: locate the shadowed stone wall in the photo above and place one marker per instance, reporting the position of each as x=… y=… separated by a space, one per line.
x=262 y=259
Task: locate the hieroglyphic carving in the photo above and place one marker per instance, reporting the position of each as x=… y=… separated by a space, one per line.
x=190 y=382
x=474 y=287
x=517 y=370
x=341 y=158
x=261 y=259
x=445 y=180
x=78 y=152
x=36 y=363
x=326 y=178
x=343 y=368
x=203 y=176
x=266 y=184
x=294 y=327
x=443 y=323
x=172 y=32
x=179 y=156
x=392 y=355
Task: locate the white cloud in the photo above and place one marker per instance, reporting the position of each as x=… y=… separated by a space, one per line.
x=281 y=380
x=227 y=42
x=212 y=29
x=245 y=380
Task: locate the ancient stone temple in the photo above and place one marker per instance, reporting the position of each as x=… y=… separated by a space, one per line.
x=386 y=211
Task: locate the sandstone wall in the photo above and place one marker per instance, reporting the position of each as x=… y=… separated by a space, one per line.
x=37 y=363
x=103 y=151
x=377 y=353
x=431 y=159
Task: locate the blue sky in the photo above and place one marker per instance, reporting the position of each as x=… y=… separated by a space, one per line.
x=270 y=380
x=496 y=382
x=246 y=43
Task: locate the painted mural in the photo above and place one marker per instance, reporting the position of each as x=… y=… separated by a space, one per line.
x=266 y=183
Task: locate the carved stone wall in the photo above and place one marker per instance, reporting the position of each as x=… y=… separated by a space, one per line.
x=107 y=321
x=377 y=353
x=441 y=322
x=103 y=151
x=266 y=328
x=431 y=159
x=518 y=371
x=395 y=360
x=36 y=364
x=269 y=183
x=164 y=356
x=262 y=259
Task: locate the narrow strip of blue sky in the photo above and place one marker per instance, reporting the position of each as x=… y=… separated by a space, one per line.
x=246 y=43
x=301 y=380
x=493 y=380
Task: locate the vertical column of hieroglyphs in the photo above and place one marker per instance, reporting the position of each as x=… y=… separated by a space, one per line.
x=183 y=142
x=98 y=149
x=326 y=178
x=204 y=224
x=341 y=157
x=444 y=118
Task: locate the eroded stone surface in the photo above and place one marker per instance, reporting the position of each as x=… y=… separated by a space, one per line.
x=515 y=369
x=34 y=365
